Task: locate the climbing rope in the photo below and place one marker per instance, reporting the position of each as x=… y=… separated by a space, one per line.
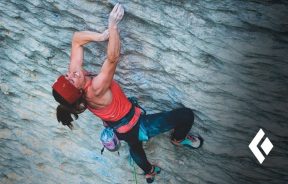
x=132 y=163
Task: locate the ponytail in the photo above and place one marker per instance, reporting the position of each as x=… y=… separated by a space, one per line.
x=64 y=116
x=65 y=110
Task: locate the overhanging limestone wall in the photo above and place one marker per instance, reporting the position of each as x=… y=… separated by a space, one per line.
x=227 y=60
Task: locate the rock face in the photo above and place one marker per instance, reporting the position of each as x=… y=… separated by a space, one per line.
x=227 y=60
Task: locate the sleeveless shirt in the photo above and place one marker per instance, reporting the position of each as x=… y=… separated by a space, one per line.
x=117 y=109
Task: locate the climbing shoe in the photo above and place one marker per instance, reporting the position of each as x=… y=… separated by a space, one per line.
x=151 y=176
x=190 y=141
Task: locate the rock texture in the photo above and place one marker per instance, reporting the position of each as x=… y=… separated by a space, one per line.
x=227 y=60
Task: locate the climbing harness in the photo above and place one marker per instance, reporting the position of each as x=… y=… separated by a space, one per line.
x=108 y=136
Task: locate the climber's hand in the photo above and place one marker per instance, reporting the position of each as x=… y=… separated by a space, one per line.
x=116 y=15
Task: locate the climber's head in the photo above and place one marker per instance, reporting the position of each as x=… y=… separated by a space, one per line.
x=76 y=78
x=67 y=90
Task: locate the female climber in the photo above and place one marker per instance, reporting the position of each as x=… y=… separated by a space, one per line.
x=79 y=90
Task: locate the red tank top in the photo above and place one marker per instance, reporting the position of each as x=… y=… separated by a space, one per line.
x=117 y=109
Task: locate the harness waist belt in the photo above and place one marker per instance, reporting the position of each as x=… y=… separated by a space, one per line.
x=123 y=121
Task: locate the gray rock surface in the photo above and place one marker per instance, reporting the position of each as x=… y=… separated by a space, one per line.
x=227 y=60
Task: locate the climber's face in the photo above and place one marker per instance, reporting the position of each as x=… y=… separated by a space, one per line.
x=76 y=78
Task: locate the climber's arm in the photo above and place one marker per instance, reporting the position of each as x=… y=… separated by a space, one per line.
x=78 y=41
x=102 y=81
